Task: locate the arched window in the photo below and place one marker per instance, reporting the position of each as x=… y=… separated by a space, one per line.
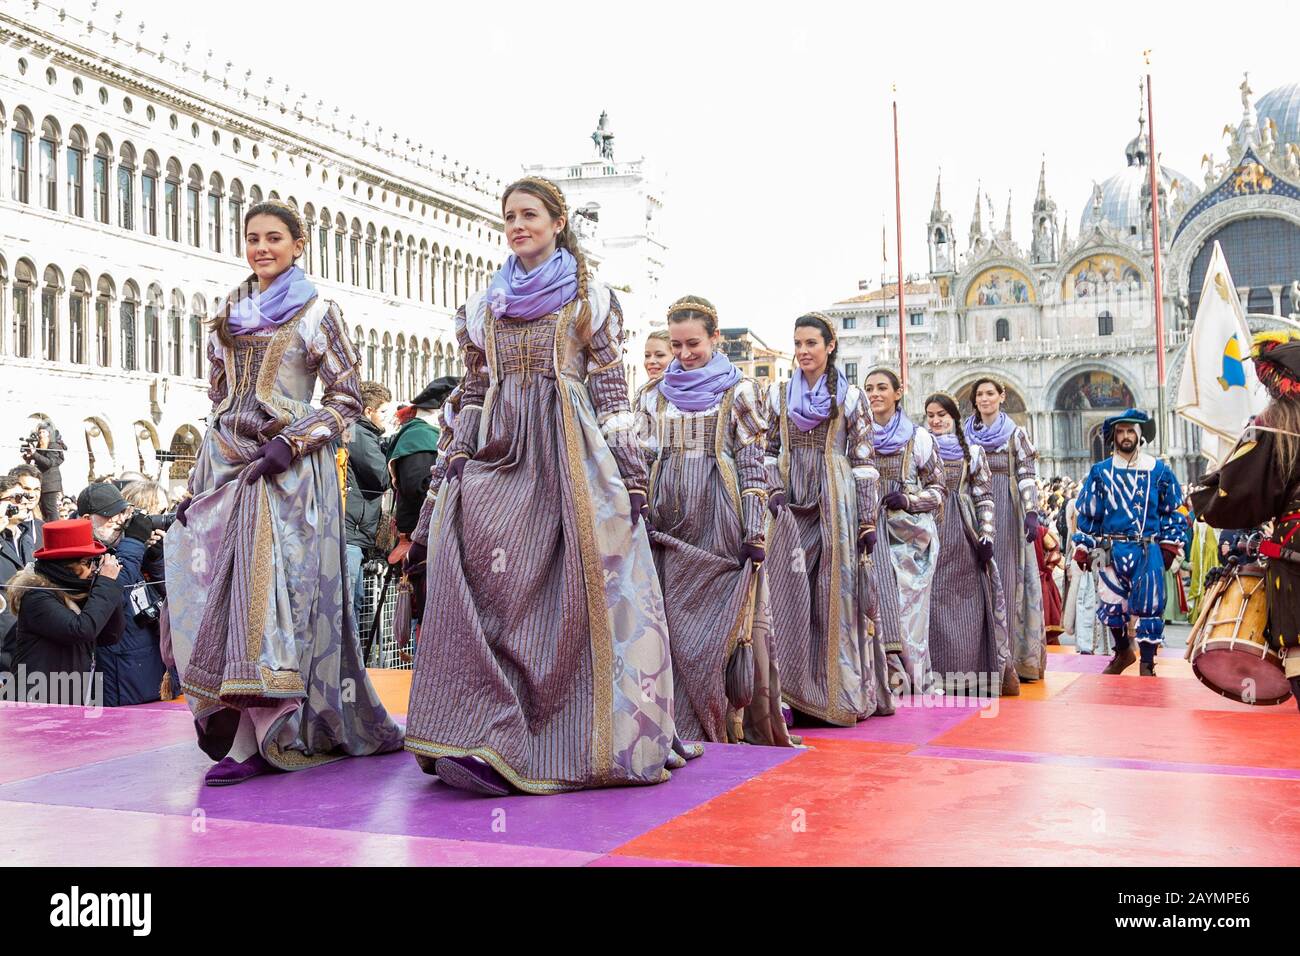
x=410 y=260
x=424 y=258
x=455 y=284
x=359 y=342
x=176 y=333
x=255 y=195
x=372 y=346
x=478 y=277
x=126 y=186
x=1105 y=324
x=51 y=290
x=152 y=333
x=104 y=294
x=194 y=208
x=4 y=287
x=24 y=292
x=323 y=243
x=309 y=236
x=172 y=202
x=1003 y=330
x=216 y=191
x=426 y=355
x=127 y=316
x=386 y=362
x=76 y=163
x=340 y=230
x=437 y=360
x=198 y=341
x=149 y=193
x=103 y=160
x=78 y=308
x=399 y=377
x=385 y=249
x=20 y=153
x=47 y=166
x=236 y=209
x=414 y=382
x=446 y=275
x=355 y=250
x=370 y=257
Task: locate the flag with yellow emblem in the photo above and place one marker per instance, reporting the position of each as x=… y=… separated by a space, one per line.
x=1219 y=390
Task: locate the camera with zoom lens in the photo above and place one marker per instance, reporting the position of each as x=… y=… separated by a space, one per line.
x=11 y=510
x=162 y=522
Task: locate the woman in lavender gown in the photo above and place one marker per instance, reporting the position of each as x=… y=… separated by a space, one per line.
x=258 y=609
x=543 y=663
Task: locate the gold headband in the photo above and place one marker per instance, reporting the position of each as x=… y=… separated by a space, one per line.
x=550 y=187
x=688 y=304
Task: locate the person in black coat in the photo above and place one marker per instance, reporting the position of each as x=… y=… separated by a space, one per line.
x=67 y=604
x=46 y=454
x=412 y=455
x=20 y=536
x=132 y=668
x=367 y=482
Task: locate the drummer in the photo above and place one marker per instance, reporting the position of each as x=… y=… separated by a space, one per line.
x=1260 y=482
x=1131 y=532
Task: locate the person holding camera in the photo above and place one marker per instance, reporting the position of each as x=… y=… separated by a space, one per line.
x=68 y=605
x=132 y=667
x=44 y=449
x=367 y=479
x=20 y=537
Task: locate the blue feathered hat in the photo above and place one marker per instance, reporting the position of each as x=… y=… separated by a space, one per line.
x=1146 y=425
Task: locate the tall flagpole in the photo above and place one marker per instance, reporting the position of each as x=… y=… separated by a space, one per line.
x=1153 y=168
x=898 y=240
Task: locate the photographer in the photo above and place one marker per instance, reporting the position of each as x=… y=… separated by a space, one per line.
x=133 y=666
x=67 y=604
x=44 y=449
x=20 y=536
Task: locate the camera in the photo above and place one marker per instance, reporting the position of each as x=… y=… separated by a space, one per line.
x=162 y=522
x=11 y=510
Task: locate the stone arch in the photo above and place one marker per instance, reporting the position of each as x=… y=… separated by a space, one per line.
x=145 y=437
x=101 y=457
x=183 y=451
x=1016 y=405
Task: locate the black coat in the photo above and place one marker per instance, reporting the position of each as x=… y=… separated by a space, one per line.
x=367 y=482
x=13 y=558
x=133 y=667
x=54 y=641
x=48 y=462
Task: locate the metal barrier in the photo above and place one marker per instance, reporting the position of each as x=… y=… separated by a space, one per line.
x=384 y=652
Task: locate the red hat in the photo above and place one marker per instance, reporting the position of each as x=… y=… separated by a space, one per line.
x=69 y=539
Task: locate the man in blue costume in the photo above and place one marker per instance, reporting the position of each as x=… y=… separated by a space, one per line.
x=1129 y=529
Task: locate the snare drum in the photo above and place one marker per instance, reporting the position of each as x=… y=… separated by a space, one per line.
x=1228 y=646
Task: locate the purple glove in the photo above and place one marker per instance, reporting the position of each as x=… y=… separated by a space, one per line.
x=181 y=508
x=753 y=552
x=895 y=501
x=639 y=509
x=867 y=540
x=775 y=502
x=984 y=553
x=415 y=556
x=456 y=467
x=273 y=458
x=1031 y=526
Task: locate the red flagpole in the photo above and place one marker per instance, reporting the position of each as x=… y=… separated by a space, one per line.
x=898 y=234
x=1153 y=169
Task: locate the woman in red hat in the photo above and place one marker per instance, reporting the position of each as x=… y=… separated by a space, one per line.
x=67 y=603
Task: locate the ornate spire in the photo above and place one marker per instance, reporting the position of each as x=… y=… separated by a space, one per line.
x=938 y=201
x=1042 y=183
x=1006 y=228
x=977 y=221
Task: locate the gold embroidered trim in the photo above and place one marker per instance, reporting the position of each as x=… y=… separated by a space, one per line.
x=261 y=573
x=430 y=748
x=834 y=620
x=602 y=651
x=725 y=464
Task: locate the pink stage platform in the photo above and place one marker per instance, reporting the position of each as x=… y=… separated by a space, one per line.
x=1081 y=770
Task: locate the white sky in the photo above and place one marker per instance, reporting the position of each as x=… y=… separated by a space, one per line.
x=770 y=122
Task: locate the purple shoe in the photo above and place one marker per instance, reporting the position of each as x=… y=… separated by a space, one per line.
x=787 y=714
x=472 y=774
x=231 y=771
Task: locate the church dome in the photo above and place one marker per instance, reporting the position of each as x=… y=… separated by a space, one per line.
x=1121 y=194
x=1282 y=106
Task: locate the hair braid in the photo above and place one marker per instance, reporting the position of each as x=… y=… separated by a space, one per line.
x=949 y=405
x=815 y=320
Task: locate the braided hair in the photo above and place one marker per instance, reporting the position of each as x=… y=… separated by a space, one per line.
x=695 y=307
x=949 y=405
x=553 y=200
x=815 y=320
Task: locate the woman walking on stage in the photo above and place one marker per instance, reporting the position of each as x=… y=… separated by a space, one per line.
x=258 y=605
x=703 y=427
x=907 y=542
x=823 y=510
x=1012 y=459
x=969 y=645
x=545 y=664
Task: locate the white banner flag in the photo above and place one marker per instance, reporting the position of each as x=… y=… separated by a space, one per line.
x=1219 y=390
